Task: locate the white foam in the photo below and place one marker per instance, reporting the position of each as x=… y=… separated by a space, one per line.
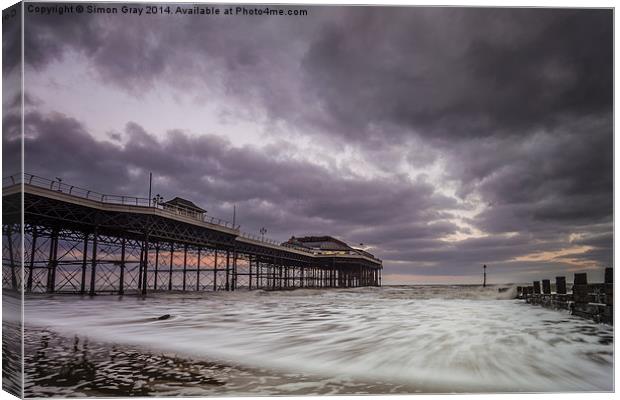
x=448 y=338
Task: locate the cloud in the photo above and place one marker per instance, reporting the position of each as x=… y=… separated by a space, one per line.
x=492 y=125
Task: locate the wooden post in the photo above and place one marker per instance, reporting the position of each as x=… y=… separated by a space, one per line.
x=580 y=288
x=560 y=285
x=609 y=275
x=93 y=265
x=581 y=279
x=546 y=286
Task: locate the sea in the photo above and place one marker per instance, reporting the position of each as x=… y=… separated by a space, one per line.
x=373 y=340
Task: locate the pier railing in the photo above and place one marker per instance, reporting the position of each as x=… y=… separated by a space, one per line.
x=72 y=190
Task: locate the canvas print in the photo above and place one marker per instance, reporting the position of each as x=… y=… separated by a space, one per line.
x=205 y=199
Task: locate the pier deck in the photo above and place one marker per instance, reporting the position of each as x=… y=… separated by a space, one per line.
x=83 y=242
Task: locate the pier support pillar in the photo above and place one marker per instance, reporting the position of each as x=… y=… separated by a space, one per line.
x=227 y=270
x=33 y=250
x=93 y=265
x=84 y=261
x=121 y=282
x=170 y=267
x=9 y=238
x=51 y=266
x=198 y=269
x=156 y=266
x=184 y=266
x=215 y=271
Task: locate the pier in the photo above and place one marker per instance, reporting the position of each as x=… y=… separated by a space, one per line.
x=78 y=241
x=593 y=301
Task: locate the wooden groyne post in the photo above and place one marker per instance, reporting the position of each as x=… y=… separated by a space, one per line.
x=587 y=300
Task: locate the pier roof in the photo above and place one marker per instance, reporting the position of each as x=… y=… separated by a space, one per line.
x=181 y=202
x=320 y=242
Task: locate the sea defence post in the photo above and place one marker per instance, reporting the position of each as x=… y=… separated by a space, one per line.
x=78 y=241
x=593 y=301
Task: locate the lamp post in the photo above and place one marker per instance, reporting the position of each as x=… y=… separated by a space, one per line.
x=484 y=281
x=263 y=230
x=157 y=200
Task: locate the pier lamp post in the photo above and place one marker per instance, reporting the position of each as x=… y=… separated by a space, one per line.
x=157 y=199
x=262 y=231
x=484 y=281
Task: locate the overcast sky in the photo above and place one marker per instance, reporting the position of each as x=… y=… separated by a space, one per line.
x=440 y=138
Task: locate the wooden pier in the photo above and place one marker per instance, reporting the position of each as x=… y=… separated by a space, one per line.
x=82 y=242
x=593 y=301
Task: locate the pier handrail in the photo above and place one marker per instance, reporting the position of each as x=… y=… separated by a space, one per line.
x=59 y=186
x=273 y=242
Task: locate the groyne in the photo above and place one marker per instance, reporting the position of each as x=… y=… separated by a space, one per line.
x=593 y=301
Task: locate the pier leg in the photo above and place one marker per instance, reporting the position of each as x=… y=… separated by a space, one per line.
x=51 y=271
x=198 y=271
x=273 y=274
x=9 y=239
x=156 y=266
x=234 y=268
x=280 y=268
x=93 y=265
x=171 y=264
x=121 y=283
x=146 y=264
x=215 y=272
x=227 y=270
x=250 y=273
x=84 y=260
x=140 y=267
x=32 y=256
x=184 y=266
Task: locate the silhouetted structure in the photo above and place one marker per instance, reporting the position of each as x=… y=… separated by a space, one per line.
x=80 y=241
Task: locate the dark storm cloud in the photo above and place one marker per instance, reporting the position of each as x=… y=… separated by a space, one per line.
x=515 y=103
x=282 y=194
x=11 y=40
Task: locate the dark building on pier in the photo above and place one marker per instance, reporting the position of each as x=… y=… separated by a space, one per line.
x=184 y=207
x=325 y=245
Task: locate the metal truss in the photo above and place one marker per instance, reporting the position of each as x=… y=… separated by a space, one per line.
x=77 y=249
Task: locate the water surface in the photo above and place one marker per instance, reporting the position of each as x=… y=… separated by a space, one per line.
x=408 y=339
